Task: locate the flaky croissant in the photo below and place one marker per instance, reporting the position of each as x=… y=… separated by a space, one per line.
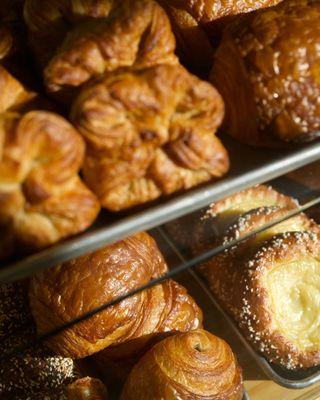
x=266 y=69
x=75 y=41
x=42 y=198
x=194 y=365
x=69 y=290
x=270 y=284
x=149 y=133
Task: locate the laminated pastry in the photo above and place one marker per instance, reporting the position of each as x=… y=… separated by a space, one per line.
x=195 y=365
x=36 y=373
x=148 y=133
x=270 y=284
x=266 y=69
x=68 y=291
x=42 y=198
x=198 y=24
x=75 y=41
x=210 y=225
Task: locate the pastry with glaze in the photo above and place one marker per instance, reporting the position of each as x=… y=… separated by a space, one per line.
x=195 y=365
x=75 y=41
x=198 y=25
x=149 y=133
x=270 y=283
x=266 y=69
x=42 y=198
x=36 y=373
x=69 y=290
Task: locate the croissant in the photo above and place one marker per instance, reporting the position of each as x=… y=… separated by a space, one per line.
x=75 y=41
x=37 y=373
x=266 y=70
x=42 y=198
x=269 y=284
x=198 y=25
x=149 y=133
x=71 y=289
x=195 y=365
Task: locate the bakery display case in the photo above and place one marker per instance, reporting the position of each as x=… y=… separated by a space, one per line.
x=159 y=200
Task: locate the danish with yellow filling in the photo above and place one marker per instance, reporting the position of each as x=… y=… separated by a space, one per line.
x=270 y=284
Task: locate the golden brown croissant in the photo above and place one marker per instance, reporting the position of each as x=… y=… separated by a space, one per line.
x=75 y=41
x=36 y=373
x=149 y=133
x=269 y=284
x=194 y=365
x=266 y=70
x=42 y=198
x=69 y=290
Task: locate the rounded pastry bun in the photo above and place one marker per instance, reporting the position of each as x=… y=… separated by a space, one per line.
x=195 y=365
x=66 y=292
x=266 y=71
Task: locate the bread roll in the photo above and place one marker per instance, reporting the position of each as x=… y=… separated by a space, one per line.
x=194 y=365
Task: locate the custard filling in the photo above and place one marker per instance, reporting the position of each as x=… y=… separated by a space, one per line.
x=294 y=291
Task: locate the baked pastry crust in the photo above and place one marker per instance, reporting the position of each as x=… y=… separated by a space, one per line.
x=210 y=225
x=194 y=365
x=149 y=133
x=269 y=284
x=69 y=290
x=75 y=41
x=266 y=70
x=198 y=25
x=42 y=198
x=36 y=373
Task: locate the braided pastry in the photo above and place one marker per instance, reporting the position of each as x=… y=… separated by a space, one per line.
x=42 y=198
x=36 y=373
x=149 y=133
x=75 y=41
x=194 y=365
x=270 y=284
x=69 y=290
x=266 y=69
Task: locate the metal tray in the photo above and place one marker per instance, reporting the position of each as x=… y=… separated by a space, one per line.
x=280 y=375
x=249 y=166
